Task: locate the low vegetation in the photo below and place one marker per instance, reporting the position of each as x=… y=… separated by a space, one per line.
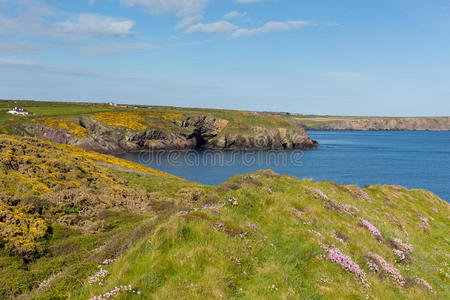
x=78 y=225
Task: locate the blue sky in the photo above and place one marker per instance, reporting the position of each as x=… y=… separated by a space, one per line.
x=349 y=57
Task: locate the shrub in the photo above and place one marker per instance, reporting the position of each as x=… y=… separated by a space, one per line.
x=21 y=231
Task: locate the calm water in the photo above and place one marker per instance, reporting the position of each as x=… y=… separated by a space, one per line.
x=410 y=159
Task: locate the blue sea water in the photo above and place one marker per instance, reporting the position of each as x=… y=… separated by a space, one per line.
x=410 y=159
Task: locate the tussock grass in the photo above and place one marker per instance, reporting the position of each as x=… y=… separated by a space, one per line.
x=190 y=257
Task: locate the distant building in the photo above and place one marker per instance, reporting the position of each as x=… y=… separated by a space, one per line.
x=112 y=104
x=18 y=110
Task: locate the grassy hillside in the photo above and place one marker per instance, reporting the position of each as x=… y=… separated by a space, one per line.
x=77 y=224
x=62 y=115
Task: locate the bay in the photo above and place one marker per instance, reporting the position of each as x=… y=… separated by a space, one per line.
x=414 y=159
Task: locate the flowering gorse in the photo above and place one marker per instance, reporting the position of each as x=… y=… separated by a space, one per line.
x=336 y=256
x=383 y=266
x=375 y=232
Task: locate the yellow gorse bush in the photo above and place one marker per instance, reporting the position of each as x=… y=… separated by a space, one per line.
x=20 y=231
x=63 y=124
x=135 y=120
x=126 y=119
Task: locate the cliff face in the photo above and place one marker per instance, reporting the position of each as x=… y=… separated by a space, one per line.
x=412 y=124
x=190 y=132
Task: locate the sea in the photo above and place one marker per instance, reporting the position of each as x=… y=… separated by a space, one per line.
x=413 y=159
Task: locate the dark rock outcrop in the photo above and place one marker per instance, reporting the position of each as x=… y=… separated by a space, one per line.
x=193 y=132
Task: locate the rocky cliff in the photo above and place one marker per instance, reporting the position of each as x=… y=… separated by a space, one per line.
x=181 y=133
x=349 y=123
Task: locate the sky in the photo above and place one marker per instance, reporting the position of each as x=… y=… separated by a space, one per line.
x=348 y=57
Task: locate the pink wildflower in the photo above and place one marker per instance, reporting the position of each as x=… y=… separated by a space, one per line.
x=424 y=283
x=395 y=187
x=253 y=226
x=385 y=267
x=318 y=234
x=372 y=229
x=399 y=244
x=399 y=254
x=336 y=256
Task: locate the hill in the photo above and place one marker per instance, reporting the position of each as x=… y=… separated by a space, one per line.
x=124 y=128
x=77 y=224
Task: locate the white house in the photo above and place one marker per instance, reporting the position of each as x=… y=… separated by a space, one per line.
x=18 y=111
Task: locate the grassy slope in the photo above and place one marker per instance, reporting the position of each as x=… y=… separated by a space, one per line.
x=72 y=253
x=189 y=257
x=192 y=255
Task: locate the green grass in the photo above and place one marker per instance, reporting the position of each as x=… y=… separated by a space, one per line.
x=188 y=257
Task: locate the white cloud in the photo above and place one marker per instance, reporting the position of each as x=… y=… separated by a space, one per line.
x=188 y=21
x=101 y=49
x=233 y=14
x=270 y=27
x=190 y=10
x=17 y=47
x=179 y=8
x=93 y=25
x=216 y=27
x=35 y=19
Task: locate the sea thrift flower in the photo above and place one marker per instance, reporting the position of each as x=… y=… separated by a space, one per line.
x=318 y=234
x=115 y=291
x=372 y=267
x=399 y=254
x=216 y=209
x=372 y=229
x=233 y=201
x=385 y=267
x=346 y=208
x=402 y=246
x=365 y=195
x=424 y=220
x=319 y=193
x=424 y=283
x=336 y=256
x=395 y=187
x=98 y=277
x=220 y=225
x=182 y=213
x=253 y=226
